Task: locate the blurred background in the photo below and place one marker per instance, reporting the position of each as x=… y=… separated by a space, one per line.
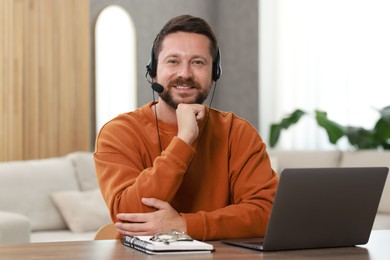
x=69 y=66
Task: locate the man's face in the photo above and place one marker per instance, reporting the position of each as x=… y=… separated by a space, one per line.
x=185 y=68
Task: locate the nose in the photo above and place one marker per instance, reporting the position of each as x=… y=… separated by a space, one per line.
x=185 y=70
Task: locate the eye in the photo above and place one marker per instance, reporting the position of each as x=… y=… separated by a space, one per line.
x=172 y=61
x=198 y=62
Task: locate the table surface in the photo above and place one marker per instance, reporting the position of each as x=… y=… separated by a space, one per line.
x=378 y=248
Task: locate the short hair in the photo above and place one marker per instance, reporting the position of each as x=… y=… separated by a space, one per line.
x=186 y=23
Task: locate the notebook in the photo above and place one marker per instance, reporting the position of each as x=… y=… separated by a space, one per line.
x=146 y=245
x=321 y=207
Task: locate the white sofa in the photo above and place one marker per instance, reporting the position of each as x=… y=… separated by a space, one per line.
x=54 y=199
x=305 y=159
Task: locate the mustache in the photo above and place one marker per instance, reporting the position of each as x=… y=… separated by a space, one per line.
x=181 y=81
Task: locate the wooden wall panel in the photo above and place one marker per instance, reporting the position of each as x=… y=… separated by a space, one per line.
x=44 y=78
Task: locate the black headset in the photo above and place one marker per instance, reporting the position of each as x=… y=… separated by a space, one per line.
x=151 y=67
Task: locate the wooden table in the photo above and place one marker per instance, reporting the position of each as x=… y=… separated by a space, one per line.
x=378 y=248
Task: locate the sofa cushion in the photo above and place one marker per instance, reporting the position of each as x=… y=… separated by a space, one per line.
x=61 y=235
x=14 y=228
x=82 y=210
x=368 y=159
x=303 y=159
x=85 y=170
x=26 y=186
x=382 y=221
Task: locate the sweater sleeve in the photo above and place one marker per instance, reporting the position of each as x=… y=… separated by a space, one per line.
x=123 y=176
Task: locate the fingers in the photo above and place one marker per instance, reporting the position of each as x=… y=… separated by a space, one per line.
x=193 y=109
x=129 y=217
x=155 y=203
x=141 y=223
x=143 y=217
x=188 y=116
x=136 y=224
x=135 y=229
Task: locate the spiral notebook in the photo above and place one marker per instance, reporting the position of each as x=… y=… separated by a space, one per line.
x=144 y=244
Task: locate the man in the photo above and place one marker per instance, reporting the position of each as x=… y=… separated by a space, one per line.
x=177 y=164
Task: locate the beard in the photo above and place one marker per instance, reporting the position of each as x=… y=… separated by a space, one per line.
x=168 y=98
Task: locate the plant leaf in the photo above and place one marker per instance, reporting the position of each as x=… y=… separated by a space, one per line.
x=274 y=134
x=362 y=138
x=286 y=122
x=382 y=129
x=382 y=133
x=334 y=130
x=386 y=146
x=385 y=114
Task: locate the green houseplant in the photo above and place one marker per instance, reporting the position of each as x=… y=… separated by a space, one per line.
x=359 y=137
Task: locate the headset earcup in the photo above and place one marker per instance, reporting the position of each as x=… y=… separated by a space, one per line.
x=217 y=69
x=151 y=67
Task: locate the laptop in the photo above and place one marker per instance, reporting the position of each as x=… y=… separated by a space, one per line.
x=321 y=208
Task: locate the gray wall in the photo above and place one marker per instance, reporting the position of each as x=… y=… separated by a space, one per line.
x=235 y=23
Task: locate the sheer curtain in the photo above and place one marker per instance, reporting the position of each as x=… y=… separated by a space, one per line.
x=332 y=55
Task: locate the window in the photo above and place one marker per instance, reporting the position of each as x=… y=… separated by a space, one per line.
x=115 y=64
x=331 y=55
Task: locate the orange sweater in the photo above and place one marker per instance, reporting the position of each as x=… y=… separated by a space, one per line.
x=222 y=185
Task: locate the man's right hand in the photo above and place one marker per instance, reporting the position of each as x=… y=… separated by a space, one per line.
x=188 y=116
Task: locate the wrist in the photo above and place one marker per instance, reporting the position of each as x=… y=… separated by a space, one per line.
x=183 y=226
x=186 y=138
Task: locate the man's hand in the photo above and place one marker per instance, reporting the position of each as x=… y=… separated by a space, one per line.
x=144 y=224
x=188 y=116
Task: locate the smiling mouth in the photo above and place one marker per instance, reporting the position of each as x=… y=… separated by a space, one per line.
x=183 y=87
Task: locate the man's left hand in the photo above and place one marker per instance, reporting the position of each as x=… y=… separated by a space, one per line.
x=148 y=224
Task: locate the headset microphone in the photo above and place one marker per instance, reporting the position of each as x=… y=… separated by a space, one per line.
x=157 y=87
